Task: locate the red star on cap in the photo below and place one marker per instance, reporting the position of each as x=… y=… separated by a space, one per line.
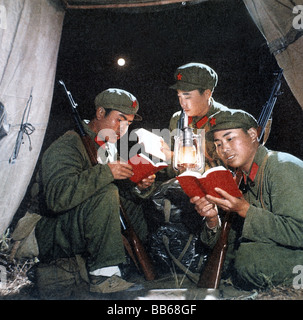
x=179 y=76
x=134 y=104
x=212 y=121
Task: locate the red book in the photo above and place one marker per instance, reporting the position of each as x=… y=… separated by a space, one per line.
x=144 y=167
x=195 y=184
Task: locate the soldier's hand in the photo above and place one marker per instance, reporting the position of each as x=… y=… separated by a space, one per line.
x=120 y=170
x=229 y=203
x=206 y=209
x=147 y=182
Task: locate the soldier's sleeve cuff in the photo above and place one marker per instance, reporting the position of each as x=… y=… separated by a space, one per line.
x=216 y=228
x=137 y=190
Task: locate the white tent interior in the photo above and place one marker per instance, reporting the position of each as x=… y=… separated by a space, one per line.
x=30 y=33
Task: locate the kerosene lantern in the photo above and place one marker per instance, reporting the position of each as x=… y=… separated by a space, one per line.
x=188 y=151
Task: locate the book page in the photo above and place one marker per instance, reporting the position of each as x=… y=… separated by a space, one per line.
x=198 y=175
x=144 y=159
x=218 y=168
x=152 y=143
x=191 y=173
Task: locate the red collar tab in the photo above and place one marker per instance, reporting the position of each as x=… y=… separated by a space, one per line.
x=100 y=142
x=199 y=124
x=253 y=173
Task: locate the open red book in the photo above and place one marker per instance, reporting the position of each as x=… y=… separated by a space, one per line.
x=144 y=167
x=195 y=184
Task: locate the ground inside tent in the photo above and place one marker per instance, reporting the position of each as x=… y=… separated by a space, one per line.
x=19 y=285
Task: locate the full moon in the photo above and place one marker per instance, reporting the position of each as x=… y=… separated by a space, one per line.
x=121 y=62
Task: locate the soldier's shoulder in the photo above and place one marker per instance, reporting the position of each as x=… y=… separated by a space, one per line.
x=219 y=107
x=177 y=114
x=174 y=120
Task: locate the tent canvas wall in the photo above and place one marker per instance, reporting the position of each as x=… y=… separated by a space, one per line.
x=30 y=32
x=29 y=47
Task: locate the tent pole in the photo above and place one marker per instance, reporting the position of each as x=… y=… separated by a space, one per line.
x=122 y=5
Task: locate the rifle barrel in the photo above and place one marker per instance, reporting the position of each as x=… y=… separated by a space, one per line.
x=269 y=105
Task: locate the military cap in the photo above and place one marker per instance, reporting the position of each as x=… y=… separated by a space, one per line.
x=231 y=119
x=194 y=76
x=120 y=100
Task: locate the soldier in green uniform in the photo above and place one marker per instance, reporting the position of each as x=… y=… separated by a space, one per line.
x=195 y=84
x=82 y=201
x=266 y=240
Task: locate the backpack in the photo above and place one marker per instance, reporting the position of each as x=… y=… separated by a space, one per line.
x=175 y=244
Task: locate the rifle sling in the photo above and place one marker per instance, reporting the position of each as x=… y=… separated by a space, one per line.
x=178 y=263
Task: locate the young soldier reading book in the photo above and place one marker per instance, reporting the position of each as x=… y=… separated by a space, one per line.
x=195 y=84
x=266 y=240
x=82 y=201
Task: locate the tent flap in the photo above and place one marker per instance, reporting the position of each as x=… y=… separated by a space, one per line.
x=29 y=48
x=275 y=20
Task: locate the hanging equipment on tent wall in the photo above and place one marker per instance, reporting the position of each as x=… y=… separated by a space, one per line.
x=26 y=128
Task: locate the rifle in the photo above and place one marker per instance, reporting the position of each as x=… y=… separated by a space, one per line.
x=211 y=274
x=264 y=121
x=131 y=241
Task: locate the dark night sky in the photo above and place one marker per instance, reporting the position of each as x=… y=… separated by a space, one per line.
x=154 y=43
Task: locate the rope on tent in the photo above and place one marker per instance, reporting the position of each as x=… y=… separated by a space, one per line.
x=26 y=128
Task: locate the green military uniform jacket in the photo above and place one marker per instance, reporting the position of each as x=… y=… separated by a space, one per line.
x=68 y=176
x=266 y=245
x=197 y=122
x=275 y=215
x=82 y=201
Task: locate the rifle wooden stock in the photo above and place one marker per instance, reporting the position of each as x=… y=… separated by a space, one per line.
x=90 y=149
x=210 y=278
x=137 y=247
x=130 y=238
